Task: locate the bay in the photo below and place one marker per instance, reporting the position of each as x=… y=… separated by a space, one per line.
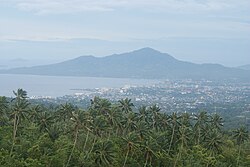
x=55 y=86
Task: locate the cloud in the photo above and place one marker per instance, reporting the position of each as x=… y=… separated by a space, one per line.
x=74 y=6
x=208 y=18
x=63 y=6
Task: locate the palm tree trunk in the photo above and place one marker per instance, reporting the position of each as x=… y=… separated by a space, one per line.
x=14 y=133
x=238 y=159
x=199 y=134
x=72 y=148
x=171 y=141
x=109 y=134
x=91 y=147
x=146 y=160
x=153 y=123
x=126 y=158
x=86 y=140
x=179 y=153
x=176 y=160
x=116 y=132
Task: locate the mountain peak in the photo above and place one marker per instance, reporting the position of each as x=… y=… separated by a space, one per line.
x=147 y=50
x=150 y=54
x=86 y=56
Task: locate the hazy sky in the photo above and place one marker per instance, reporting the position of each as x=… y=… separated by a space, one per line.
x=211 y=31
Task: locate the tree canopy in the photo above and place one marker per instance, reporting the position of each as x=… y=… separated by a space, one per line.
x=115 y=134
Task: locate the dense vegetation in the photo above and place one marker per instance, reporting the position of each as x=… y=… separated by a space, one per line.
x=107 y=134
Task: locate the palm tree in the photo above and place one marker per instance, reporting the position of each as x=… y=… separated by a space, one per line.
x=54 y=131
x=65 y=111
x=77 y=122
x=184 y=139
x=20 y=95
x=201 y=122
x=87 y=124
x=214 y=141
x=129 y=122
x=163 y=139
x=164 y=122
x=174 y=120
x=104 y=153
x=185 y=119
x=216 y=121
x=241 y=135
x=155 y=112
x=126 y=105
x=101 y=106
x=114 y=119
x=100 y=126
x=149 y=147
x=131 y=144
x=33 y=112
x=184 y=135
x=18 y=111
x=143 y=113
x=142 y=129
x=44 y=120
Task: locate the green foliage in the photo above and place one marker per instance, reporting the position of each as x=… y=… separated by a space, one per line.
x=107 y=134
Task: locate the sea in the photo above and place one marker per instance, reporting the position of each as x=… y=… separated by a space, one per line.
x=57 y=86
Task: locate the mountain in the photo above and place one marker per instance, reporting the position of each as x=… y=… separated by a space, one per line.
x=19 y=60
x=245 y=67
x=142 y=63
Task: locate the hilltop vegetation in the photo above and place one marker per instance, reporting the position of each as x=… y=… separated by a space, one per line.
x=115 y=134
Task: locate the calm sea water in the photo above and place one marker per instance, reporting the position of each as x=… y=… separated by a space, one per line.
x=56 y=86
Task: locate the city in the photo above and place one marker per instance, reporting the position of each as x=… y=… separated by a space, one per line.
x=173 y=96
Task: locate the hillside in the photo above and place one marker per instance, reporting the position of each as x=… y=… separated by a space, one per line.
x=142 y=63
x=245 y=67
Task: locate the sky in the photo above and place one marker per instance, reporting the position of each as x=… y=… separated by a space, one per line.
x=36 y=32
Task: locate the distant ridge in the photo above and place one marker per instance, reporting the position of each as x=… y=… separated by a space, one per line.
x=143 y=63
x=245 y=67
